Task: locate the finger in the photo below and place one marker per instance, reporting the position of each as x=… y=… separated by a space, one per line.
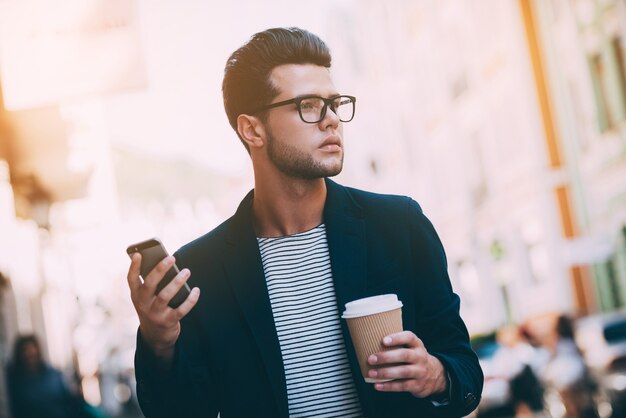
x=134 y=282
x=397 y=386
x=171 y=289
x=188 y=304
x=399 y=355
x=154 y=277
x=406 y=371
x=403 y=338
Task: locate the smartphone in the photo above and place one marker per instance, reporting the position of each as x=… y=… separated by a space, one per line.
x=153 y=252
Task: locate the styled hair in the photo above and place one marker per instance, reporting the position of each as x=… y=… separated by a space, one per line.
x=247 y=85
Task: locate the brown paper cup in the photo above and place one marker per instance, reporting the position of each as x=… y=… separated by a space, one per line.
x=367 y=333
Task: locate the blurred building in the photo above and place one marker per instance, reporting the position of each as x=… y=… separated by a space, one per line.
x=70 y=202
x=453 y=121
x=584 y=48
x=505 y=121
x=60 y=207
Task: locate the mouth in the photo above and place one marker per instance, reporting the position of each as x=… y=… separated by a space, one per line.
x=331 y=144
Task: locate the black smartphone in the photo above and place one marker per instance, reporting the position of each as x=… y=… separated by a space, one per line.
x=152 y=252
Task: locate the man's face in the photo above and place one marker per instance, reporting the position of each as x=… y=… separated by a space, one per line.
x=299 y=149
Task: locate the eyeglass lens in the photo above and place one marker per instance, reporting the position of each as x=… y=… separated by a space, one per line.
x=312 y=109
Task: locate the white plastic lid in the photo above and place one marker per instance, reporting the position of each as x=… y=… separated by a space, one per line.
x=371 y=305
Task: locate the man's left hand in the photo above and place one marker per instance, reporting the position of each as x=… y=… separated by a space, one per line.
x=410 y=366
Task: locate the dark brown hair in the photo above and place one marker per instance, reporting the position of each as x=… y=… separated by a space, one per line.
x=17 y=365
x=247 y=86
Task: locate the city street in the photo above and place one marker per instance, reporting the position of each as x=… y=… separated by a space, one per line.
x=505 y=120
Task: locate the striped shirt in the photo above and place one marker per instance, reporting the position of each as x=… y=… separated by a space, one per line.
x=304 y=306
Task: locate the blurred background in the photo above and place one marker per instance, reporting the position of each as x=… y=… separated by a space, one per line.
x=504 y=119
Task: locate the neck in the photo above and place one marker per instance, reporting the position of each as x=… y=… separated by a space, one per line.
x=287 y=206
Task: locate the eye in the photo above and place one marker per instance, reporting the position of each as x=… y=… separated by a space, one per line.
x=312 y=103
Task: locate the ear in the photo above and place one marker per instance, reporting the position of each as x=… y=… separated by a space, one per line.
x=251 y=130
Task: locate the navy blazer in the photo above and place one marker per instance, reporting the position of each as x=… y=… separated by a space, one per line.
x=228 y=359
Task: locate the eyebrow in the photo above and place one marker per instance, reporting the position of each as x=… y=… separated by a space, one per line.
x=305 y=96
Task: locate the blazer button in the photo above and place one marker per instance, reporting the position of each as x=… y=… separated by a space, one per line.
x=469 y=398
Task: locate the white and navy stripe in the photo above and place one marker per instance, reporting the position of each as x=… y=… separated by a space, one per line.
x=304 y=305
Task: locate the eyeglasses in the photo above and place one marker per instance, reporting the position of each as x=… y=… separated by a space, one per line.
x=312 y=109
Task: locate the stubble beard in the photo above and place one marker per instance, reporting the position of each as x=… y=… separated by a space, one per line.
x=298 y=164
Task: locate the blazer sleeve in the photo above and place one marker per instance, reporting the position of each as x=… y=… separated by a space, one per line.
x=185 y=390
x=155 y=386
x=439 y=324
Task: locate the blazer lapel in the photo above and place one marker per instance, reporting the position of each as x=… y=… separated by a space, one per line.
x=347 y=244
x=244 y=268
x=345 y=230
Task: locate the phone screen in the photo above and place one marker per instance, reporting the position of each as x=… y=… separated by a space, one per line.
x=153 y=252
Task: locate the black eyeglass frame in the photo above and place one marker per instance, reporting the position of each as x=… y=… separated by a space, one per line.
x=328 y=102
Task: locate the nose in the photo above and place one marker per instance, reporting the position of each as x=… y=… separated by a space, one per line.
x=330 y=118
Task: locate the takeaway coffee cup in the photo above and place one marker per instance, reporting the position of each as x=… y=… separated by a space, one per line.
x=369 y=321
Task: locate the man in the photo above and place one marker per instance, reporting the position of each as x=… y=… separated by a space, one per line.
x=35 y=388
x=265 y=339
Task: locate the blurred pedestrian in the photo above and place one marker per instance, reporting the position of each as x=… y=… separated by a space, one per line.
x=567 y=373
x=37 y=390
x=518 y=361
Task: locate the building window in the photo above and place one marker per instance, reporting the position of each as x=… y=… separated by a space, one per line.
x=618 y=45
x=599 y=81
x=608 y=77
x=613 y=283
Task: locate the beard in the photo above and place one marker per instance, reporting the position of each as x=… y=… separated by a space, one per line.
x=296 y=163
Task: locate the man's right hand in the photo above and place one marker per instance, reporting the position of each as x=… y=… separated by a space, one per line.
x=159 y=324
